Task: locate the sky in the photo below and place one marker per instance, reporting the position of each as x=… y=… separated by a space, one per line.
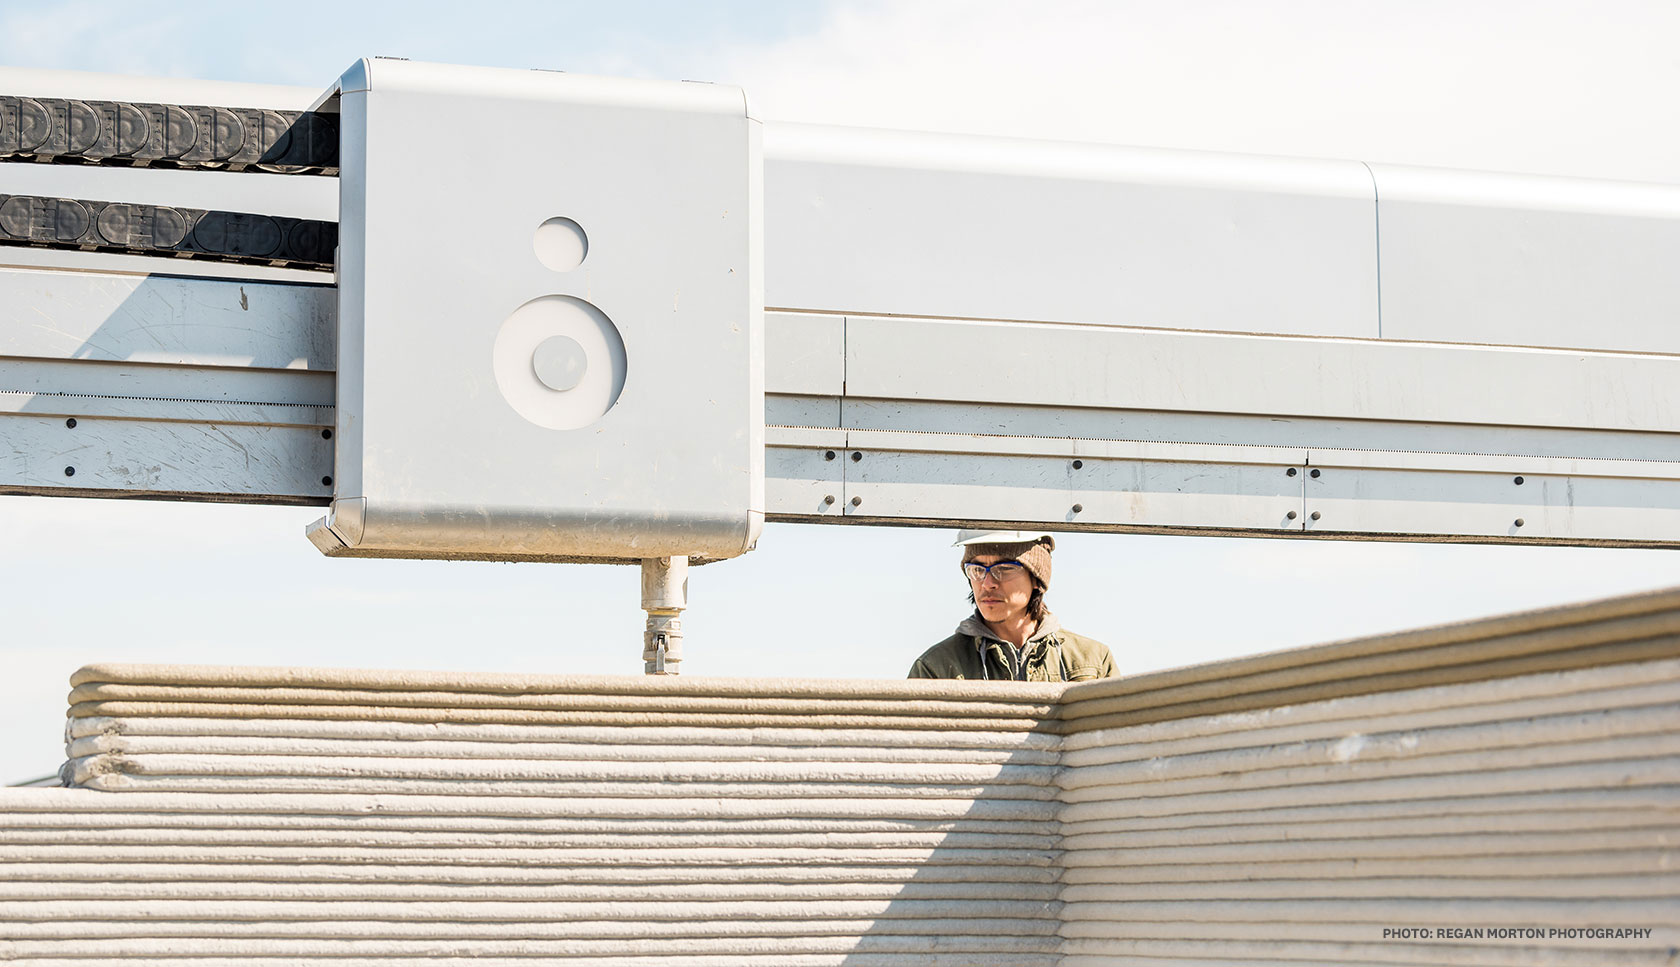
x=1581 y=89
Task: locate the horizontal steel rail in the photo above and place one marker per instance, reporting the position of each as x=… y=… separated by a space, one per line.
x=222 y=389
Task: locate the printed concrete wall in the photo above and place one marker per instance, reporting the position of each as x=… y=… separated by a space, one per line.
x=1368 y=802
x=1526 y=811
x=227 y=815
x=1306 y=834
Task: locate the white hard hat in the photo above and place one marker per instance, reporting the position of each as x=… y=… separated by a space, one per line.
x=964 y=538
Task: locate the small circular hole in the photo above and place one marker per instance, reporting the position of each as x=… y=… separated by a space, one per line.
x=1290 y=471
x=327 y=481
x=1315 y=473
x=561 y=244
x=1077 y=464
x=828 y=455
x=1518 y=481
x=69 y=471
x=856 y=456
x=326 y=434
x=71 y=423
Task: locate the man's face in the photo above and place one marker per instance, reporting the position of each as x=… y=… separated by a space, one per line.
x=1001 y=600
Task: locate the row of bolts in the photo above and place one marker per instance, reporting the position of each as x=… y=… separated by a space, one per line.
x=665 y=585
x=665 y=592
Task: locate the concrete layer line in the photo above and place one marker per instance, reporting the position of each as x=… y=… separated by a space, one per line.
x=1501 y=792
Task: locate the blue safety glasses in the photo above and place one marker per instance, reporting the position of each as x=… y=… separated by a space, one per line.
x=1001 y=571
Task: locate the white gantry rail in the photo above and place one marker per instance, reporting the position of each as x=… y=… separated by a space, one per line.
x=970 y=330
x=1516 y=774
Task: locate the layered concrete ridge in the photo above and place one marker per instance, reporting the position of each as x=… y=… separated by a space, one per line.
x=1301 y=833
x=391 y=817
x=1516 y=773
x=1520 y=773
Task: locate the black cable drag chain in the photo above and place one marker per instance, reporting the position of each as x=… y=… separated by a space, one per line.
x=66 y=131
x=166 y=230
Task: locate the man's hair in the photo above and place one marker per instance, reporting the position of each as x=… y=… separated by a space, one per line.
x=1036 y=608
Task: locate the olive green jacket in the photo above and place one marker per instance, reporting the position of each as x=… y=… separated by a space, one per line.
x=1050 y=655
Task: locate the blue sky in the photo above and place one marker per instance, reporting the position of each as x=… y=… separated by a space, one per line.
x=310 y=42
x=1565 y=88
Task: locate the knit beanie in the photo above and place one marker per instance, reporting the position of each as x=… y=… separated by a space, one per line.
x=1034 y=555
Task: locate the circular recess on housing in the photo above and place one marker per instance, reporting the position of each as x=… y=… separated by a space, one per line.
x=559 y=362
x=561 y=244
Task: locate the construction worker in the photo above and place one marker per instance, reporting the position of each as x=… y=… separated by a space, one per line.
x=1012 y=636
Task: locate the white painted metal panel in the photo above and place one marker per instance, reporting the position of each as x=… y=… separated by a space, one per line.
x=801 y=411
x=928 y=477
x=49 y=382
x=1421 y=443
x=166 y=319
x=804 y=472
x=1447 y=503
x=104 y=457
x=117 y=379
x=804 y=354
x=452 y=440
x=928 y=460
x=117 y=384
x=944 y=225
x=213 y=411
x=119 y=263
x=1055 y=365
x=1217 y=432
x=1477 y=257
x=805 y=372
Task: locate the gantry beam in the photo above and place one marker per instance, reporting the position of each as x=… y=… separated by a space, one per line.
x=965 y=330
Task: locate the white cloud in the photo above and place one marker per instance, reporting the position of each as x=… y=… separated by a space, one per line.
x=1562 y=88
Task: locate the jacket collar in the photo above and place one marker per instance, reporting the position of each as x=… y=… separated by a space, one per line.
x=975 y=627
